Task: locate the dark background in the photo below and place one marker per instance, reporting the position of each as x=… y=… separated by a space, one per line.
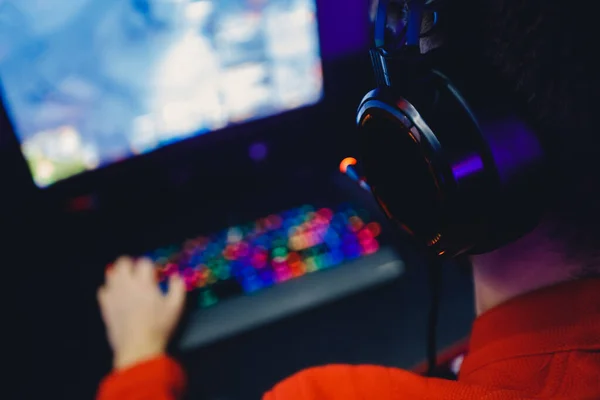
x=53 y=260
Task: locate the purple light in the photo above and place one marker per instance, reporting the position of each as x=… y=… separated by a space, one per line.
x=267 y=277
x=352 y=250
x=514 y=147
x=345 y=27
x=258 y=151
x=465 y=168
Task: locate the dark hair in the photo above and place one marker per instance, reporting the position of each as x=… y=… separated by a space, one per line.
x=543 y=51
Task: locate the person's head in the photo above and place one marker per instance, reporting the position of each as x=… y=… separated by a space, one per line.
x=541 y=50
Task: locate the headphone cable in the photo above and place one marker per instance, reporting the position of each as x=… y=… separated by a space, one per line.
x=435 y=287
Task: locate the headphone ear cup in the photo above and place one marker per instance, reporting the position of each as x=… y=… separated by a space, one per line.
x=427 y=164
x=457 y=178
x=399 y=163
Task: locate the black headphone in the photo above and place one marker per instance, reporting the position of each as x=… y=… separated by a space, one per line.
x=444 y=151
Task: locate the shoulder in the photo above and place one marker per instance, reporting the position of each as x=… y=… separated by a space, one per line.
x=349 y=382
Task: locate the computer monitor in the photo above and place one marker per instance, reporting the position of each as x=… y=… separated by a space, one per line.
x=88 y=83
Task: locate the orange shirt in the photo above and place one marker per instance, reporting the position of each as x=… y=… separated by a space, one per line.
x=543 y=345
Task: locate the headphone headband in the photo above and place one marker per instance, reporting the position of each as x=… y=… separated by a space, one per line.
x=397 y=36
x=412 y=22
x=380 y=23
x=415 y=20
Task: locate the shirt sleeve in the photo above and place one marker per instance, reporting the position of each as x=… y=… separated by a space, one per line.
x=161 y=378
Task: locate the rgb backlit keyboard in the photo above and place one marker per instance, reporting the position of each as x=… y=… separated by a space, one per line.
x=246 y=259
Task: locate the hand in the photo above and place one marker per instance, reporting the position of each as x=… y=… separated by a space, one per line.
x=139 y=318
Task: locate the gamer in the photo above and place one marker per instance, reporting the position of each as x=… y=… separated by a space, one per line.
x=538 y=302
x=537 y=291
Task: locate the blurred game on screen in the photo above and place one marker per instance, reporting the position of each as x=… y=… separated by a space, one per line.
x=90 y=82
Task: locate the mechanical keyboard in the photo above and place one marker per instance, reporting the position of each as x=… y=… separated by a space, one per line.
x=280 y=247
x=254 y=273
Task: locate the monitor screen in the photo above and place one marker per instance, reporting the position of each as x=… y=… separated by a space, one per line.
x=88 y=83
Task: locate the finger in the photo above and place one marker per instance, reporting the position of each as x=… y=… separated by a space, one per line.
x=101 y=297
x=101 y=294
x=121 y=269
x=176 y=294
x=145 y=270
